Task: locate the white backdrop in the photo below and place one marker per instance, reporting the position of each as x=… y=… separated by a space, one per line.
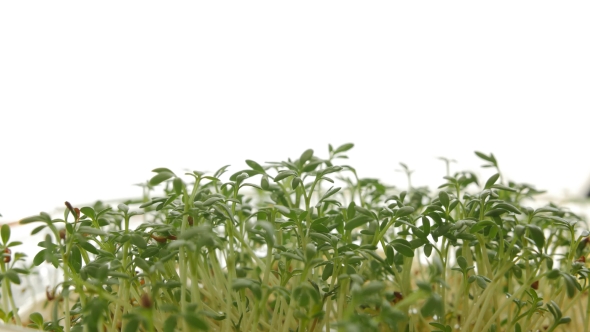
x=93 y=95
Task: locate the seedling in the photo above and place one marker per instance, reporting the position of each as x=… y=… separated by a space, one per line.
x=307 y=245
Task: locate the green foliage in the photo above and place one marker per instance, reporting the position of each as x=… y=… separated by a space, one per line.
x=245 y=253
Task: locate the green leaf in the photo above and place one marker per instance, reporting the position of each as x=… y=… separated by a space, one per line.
x=170 y=324
x=364 y=211
x=481 y=282
x=269 y=232
x=329 y=193
x=329 y=170
x=444 y=198
x=495 y=212
x=491 y=181
x=432 y=306
x=39 y=257
x=507 y=206
x=292 y=256
x=123 y=207
x=214 y=315
x=438 y=326
x=264 y=182
x=484 y=157
x=5 y=233
x=357 y=221
x=305 y=156
x=312 y=165
x=328 y=270
x=404 y=211
x=537 y=235
x=75 y=259
x=161 y=177
x=132 y=325
x=503 y=187
x=571 y=284
x=426 y=225
x=344 y=148
x=283 y=210
x=553 y=274
x=254 y=165
x=493 y=231
x=102 y=272
x=403 y=249
x=34 y=219
x=558 y=313
x=283 y=175
x=196 y=322
x=177 y=185
x=37 y=319
x=12 y=276
x=296 y=182
x=38 y=229
x=89 y=247
x=419 y=233
x=462 y=262
x=161 y=169
x=373 y=287
x=427 y=249
x=138 y=241
x=142 y=264
x=212 y=200
x=89 y=212
x=241 y=283
x=91 y=230
x=481 y=225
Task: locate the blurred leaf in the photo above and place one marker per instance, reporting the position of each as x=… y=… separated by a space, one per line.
x=432 y=306
x=344 y=148
x=403 y=249
x=537 y=235
x=481 y=225
x=404 y=211
x=39 y=257
x=484 y=157
x=88 y=211
x=89 y=247
x=305 y=156
x=138 y=241
x=36 y=318
x=177 y=185
x=91 y=230
x=33 y=219
x=444 y=198
x=357 y=221
x=75 y=259
x=254 y=165
x=170 y=324
x=132 y=325
x=5 y=233
x=196 y=322
x=491 y=181
x=328 y=269
x=160 y=177
x=12 y=276
x=283 y=175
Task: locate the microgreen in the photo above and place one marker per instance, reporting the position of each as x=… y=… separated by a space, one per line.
x=307 y=245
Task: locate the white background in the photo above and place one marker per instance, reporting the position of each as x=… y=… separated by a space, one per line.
x=93 y=95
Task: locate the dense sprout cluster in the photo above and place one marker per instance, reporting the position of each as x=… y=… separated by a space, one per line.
x=307 y=245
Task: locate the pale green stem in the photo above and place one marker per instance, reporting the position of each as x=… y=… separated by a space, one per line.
x=507 y=303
